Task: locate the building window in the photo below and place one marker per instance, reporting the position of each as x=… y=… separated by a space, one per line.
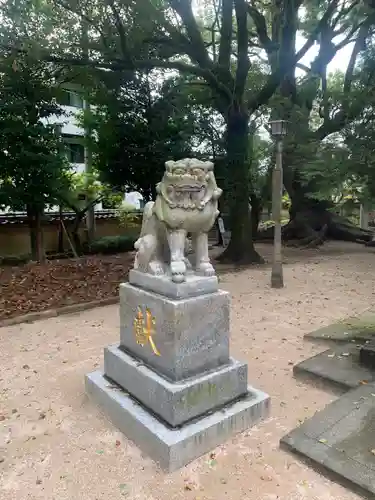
x=69 y=98
x=76 y=153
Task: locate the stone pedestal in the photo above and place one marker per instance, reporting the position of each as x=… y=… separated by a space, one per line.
x=171 y=385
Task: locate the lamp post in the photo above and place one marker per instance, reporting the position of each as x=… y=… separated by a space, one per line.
x=278 y=132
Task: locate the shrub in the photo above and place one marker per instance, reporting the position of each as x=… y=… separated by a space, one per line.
x=129 y=217
x=111 y=245
x=14 y=260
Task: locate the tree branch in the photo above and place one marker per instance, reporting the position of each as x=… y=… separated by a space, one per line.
x=121 y=31
x=226 y=33
x=243 y=62
x=347 y=113
x=261 y=29
x=276 y=76
x=199 y=53
x=316 y=31
x=84 y=17
x=358 y=46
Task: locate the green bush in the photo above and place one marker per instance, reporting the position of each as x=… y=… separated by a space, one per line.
x=110 y=245
x=14 y=260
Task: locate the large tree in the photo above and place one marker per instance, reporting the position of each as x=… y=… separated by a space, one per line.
x=32 y=161
x=219 y=48
x=221 y=43
x=316 y=107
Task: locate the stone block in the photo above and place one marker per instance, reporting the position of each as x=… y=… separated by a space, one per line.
x=163 y=285
x=174 y=448
x=338 y=440
x=176 y=403
x=367 y=355
x=339 y=366
x=190 y=336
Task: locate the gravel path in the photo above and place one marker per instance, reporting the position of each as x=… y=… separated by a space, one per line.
x=55 y=445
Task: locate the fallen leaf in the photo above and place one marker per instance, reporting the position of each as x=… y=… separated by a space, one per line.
x=322 y=441
x=266 y=478
x=99 y=452
x=364 y=382
x=189 y=485
x=36 y=287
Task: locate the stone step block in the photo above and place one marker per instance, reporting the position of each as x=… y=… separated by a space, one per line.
x=175 y=402
x=173 y=448
x=189 y=336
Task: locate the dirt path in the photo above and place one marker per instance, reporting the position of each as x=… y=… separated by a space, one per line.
x=55 y=445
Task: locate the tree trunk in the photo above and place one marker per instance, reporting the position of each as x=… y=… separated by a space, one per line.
x=241 y=247
x=60 y=243
x=75 y=232
x=35 y=215
x=256 y=212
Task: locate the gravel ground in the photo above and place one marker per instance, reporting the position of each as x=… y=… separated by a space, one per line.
x=55 y=444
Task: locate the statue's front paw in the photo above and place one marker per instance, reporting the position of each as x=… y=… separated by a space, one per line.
x=205 y=269
x=156 y=268
x=178 y=271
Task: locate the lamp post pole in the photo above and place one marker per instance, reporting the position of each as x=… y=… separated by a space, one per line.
x=277 y=280
x=278 y=130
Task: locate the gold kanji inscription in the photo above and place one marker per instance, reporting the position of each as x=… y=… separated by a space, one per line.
x=144 y=329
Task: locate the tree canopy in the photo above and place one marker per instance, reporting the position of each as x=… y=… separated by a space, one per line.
x=237 y=62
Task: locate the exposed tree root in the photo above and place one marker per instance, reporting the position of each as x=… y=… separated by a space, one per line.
x=311 y=228
x=231 y=256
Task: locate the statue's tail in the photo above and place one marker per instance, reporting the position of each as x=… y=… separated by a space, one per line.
x=147 y=214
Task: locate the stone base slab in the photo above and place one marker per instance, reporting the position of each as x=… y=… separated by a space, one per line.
x=163 y=285
x=356 y=329
x=340 y=440
x=176 y=403
x=174 y=448
x=340 y=367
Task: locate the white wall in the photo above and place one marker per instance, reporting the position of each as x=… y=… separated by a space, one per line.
x=134 y=198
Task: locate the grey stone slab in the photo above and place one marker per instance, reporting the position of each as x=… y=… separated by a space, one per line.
x=178 y=402
x=354 y=329
x=367 y=355
x=339 y=366
x=323 y=420
x=191 y=335
x=174 y=448
x=340 y=439
x=193 y=286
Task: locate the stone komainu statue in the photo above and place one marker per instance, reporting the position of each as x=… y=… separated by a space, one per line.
x=186 y=202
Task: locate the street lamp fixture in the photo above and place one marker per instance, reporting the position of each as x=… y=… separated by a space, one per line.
x=278 y=129
x=278 y=132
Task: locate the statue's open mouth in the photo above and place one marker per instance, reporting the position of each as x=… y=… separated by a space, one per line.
x=186 y=188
